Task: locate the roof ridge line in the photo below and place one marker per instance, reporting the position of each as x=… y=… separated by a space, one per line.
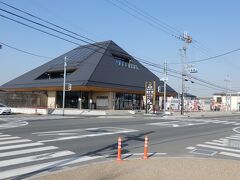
x=100 y=59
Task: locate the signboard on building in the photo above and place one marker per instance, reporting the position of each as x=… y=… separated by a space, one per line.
x=150 y=93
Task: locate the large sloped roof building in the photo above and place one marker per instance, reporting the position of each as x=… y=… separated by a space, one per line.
x=102 y=72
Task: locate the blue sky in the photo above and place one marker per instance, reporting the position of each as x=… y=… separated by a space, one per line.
x=213 y=24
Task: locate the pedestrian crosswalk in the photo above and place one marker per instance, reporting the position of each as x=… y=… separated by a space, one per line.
x=12 y=124
x=20 y=156
x=183 y=122
x=228 y=146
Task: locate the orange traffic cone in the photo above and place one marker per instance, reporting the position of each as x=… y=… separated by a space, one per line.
x=145 y=154
x=119 y=157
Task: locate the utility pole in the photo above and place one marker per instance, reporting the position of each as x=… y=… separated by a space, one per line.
x=228 y=94
x=64 y=84
x=165 y=79
x=187 y=40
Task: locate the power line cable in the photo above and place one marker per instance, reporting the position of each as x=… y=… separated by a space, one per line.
x=152 y=17
x=39 y=24
x=178 y=77
x=147 y=16
x=144 y=20
x=26 y=52
x=38 y=29
x=78 y=44
x=217 y=56
x=48 y=22
x=213 y=57
x=60 y=26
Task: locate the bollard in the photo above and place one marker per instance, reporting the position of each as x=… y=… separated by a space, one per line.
x=145 y=154
x=119 y=157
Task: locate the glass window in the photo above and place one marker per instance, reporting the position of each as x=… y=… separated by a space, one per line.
x=219 y=99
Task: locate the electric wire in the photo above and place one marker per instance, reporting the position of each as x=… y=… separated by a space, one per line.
x=141 y=60
x=144 y=20
x=146 y=16
x=48 y=22
x=26 y=52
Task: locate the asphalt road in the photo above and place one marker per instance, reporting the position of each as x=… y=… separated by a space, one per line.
x=30 y=145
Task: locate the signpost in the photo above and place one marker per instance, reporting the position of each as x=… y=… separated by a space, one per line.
x=150 y=95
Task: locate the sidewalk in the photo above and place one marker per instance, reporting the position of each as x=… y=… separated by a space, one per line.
x=154 y=169
x=206 y=114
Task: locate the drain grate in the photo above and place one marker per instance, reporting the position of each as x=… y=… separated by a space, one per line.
x=204 y=152
x=234 y=143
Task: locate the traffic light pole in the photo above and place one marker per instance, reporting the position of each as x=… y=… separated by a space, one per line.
x=64 y=84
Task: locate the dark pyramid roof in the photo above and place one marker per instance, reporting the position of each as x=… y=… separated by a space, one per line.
x=94 y=65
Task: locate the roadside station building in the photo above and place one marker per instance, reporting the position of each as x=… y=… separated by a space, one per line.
x=102 y=75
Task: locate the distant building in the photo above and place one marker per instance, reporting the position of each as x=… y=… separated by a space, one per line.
x=205 y=103
x=102 y=75
x=226 y=103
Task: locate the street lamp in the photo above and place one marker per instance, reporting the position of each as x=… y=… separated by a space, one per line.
x=64 y=84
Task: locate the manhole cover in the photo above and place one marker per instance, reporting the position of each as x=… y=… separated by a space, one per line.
x=234 y=143
x=204 y=152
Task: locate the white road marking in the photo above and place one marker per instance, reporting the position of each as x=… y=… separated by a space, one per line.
x=5 y=135
x=110 y=131
x=190 y=148
x=223 y=139
x=233 y=138
x=45 y=166
x=230 y=154
x=236 y=129
x=237 y=124
x=20 y=146
x=204 y=152
x=60 y=131
x=38 y=157
x=12 y=124
x=228 y=122
x=8 y=138
x=220 y=148
x=26 y=151
x=217 y=144
x=215 y=121
x=87 y=135
x=15 y=141
x=218 y=141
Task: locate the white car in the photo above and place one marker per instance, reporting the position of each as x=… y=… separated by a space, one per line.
x=4 y=109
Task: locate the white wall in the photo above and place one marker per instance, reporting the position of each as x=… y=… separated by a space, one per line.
x=234 y=102
x=29 y=111
x=110 y=98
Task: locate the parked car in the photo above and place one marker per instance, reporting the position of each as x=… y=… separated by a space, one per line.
x=4 y=109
